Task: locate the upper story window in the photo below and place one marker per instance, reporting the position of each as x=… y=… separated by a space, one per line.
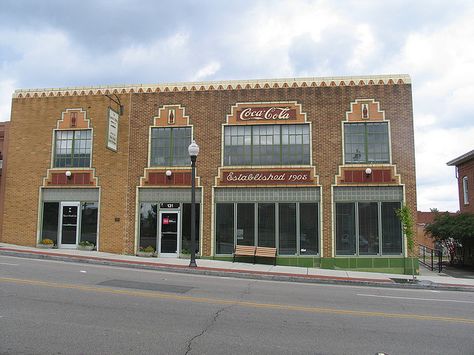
x=465 y=190
x=169 y=146
x=267 y=145
x=73 y=148
x=366 y=143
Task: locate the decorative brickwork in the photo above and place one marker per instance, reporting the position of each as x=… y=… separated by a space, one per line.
x=324 y=101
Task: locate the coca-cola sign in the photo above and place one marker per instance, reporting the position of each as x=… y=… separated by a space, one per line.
x=266 y=113
x=276 y=177
x=275 y=112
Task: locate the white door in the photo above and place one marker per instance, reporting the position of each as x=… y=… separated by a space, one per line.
x=69 y=225
x=169 y=233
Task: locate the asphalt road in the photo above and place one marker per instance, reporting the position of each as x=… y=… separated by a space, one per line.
x=49 y=307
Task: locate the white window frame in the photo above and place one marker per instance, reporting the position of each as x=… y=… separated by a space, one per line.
x=465 y=190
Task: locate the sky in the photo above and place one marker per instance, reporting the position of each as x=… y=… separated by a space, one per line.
x=58 y=43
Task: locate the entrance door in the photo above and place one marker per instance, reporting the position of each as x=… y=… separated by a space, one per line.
x=69 y=229
x=169 y=233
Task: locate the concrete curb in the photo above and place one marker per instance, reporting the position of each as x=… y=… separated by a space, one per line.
x=242 y=274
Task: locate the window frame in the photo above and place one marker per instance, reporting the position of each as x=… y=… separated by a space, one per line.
x=277 y=221
x=465 y=190
x=282 y=154
x=171 y=146
x=380 y=233
x=366 y=152
x=71 y=156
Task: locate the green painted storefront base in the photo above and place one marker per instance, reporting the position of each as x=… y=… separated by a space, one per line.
x=394 y=265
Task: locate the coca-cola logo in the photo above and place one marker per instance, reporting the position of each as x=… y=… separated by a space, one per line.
x=266 y=113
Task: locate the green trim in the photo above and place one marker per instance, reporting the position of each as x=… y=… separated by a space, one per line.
x=394 y=265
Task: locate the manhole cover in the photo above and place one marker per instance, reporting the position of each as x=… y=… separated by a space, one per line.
x=149 y=286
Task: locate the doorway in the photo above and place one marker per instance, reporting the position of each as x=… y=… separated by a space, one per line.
x=69 y=225
x=169 y=233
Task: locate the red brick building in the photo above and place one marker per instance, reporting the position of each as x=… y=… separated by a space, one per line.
x=465 y=175
x=315 y=167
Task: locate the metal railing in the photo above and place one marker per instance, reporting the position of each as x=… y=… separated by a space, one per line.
x=430 y=257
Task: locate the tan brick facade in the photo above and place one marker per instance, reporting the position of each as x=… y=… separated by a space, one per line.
x=326 y=104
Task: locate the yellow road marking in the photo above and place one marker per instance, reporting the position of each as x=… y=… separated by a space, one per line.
x=284 y=307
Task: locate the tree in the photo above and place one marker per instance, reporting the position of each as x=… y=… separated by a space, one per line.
x=406 y=218
x=451 y=230
x=458 y=226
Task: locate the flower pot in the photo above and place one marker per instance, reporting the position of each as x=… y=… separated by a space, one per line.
x=145 y=254
x=85 y=247
x=45 y=246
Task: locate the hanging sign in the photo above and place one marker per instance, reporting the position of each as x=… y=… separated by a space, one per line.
x=112 y=130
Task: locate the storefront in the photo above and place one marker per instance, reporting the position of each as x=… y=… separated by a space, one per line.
x=314 y=167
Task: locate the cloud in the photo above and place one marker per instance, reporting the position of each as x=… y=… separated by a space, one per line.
x=7 y=87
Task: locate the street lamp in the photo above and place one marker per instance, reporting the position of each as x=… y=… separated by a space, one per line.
x=193 y=150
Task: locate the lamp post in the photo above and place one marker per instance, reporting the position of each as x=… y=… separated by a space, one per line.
x=193 y=150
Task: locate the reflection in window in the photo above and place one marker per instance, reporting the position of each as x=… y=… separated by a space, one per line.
x=267 y=145
x=50 y=221
x=72 y=149
x=224 y=228
x=368 y=228
x=309 y=228
x=186 y=228
x=287 y=228
x=366 y=143
x=169 y=146
x=148 y=225
x=266 y=225
x=89 y=222
x=391 y=229
x=345 y=229
x=367 y=233
x=245 y=224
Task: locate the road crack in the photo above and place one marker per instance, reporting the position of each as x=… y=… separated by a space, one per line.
x=204 y=331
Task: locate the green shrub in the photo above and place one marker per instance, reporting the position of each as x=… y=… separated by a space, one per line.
x=148 y=249
x=86 y=243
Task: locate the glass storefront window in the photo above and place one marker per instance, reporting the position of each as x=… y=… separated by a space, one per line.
x=89 y=222
x=287 y=228
x=391 y=229
x=245 y=224
x=309 y=228
x=224 y=228
x=148 y=225
x=269 y=217
x=345 y=229
x=368 y=228
x=50 y=221
x=186 y=228
x=367 y=232
x=266 y=225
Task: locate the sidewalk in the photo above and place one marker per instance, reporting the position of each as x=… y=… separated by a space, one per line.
x=428 y=279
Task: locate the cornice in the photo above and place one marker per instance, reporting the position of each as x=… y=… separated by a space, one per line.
x=216 y=85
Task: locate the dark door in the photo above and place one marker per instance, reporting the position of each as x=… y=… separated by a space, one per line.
x=169 y=232
x=69 y=213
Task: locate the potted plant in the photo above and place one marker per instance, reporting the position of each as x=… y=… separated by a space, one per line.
x=45 y=244
x=149 y=251
x=85 y=245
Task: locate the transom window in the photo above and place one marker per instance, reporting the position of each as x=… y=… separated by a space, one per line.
x=366 y=143
x=73 y=149
x=169 y=146
x=267 y=145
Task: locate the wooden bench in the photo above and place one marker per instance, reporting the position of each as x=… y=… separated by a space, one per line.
x=266 y=252
x=244 y=250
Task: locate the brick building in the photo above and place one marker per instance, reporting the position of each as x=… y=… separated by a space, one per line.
x=3 y=167
x=465 y=175
x=314 y=167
